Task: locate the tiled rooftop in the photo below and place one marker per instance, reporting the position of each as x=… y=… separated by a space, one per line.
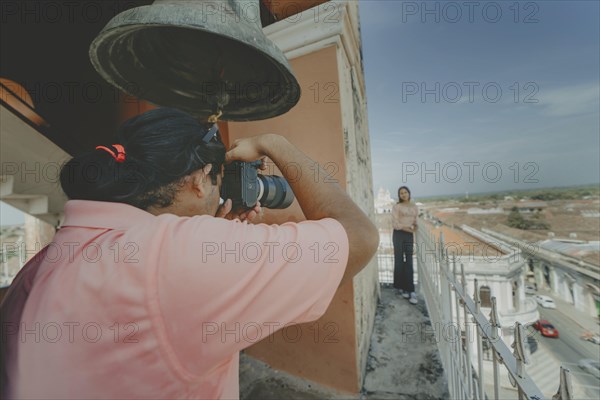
x=454 y=238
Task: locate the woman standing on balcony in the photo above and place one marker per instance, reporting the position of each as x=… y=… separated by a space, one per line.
x=404 y=221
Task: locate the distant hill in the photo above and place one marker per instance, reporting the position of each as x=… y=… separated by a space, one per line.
x=579 y=192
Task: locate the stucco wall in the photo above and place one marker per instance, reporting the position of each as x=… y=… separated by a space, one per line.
x=359 y=174
x=359 y=187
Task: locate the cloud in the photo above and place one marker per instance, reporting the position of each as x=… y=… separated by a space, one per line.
x=571 y=100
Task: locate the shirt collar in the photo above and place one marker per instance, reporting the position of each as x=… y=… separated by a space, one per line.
x=103 y=214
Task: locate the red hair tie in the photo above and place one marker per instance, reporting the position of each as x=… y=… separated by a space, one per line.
x=119 y=156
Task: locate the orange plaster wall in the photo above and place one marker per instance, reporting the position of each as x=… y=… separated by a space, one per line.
x=130 y=107
x=314 y=124
x=285 y=8
x=326 y=350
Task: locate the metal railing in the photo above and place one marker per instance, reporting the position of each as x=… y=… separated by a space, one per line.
x=385 y=264
x=456 y=315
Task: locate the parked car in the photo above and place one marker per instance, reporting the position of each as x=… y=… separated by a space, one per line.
x=545 y=301
x=545 y=328
x=530 y=289
x=590 y=366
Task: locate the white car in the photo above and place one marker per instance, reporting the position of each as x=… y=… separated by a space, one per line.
x=590 y=337
x=545 y=301
x=590 y=366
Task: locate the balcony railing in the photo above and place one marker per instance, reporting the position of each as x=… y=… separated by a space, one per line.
x=455 y=314
x=527 y=312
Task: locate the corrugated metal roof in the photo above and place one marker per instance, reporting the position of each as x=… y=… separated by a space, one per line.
x=571 y=248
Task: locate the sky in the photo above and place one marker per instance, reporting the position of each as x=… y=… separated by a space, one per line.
x=10 y=215
x=482 y=96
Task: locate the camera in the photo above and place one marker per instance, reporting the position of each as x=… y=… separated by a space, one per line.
x=245 y=186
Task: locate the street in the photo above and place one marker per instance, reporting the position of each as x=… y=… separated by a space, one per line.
x=569 y=348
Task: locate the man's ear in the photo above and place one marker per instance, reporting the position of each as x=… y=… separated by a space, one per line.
x=198 y=180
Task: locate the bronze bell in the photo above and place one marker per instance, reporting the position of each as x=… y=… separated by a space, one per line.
x=197 y=56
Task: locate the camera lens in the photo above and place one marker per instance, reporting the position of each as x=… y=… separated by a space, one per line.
x=274 y=191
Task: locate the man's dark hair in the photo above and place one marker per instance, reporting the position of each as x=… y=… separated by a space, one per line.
x=162 y=147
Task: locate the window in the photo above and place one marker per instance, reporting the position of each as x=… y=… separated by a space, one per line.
x=485 y=295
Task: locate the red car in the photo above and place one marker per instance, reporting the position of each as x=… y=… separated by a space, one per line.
x=546 y=328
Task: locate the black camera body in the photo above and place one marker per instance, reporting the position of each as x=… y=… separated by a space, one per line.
x=245 y=186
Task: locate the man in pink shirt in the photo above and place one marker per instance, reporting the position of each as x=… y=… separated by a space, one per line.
x=150 y=289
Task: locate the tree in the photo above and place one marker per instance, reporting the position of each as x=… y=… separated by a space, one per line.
x=516 y=220
x=538 y=222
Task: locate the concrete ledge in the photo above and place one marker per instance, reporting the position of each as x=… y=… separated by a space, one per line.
x=258 y=381
x=403 y=362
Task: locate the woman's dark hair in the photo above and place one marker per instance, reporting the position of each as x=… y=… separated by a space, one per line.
x=162 y=146
x=399 y=189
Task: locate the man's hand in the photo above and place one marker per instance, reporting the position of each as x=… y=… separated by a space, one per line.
x=225 y=211
x=250 y=149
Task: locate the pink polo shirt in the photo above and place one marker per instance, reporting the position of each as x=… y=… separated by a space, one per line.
x=129 y=305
